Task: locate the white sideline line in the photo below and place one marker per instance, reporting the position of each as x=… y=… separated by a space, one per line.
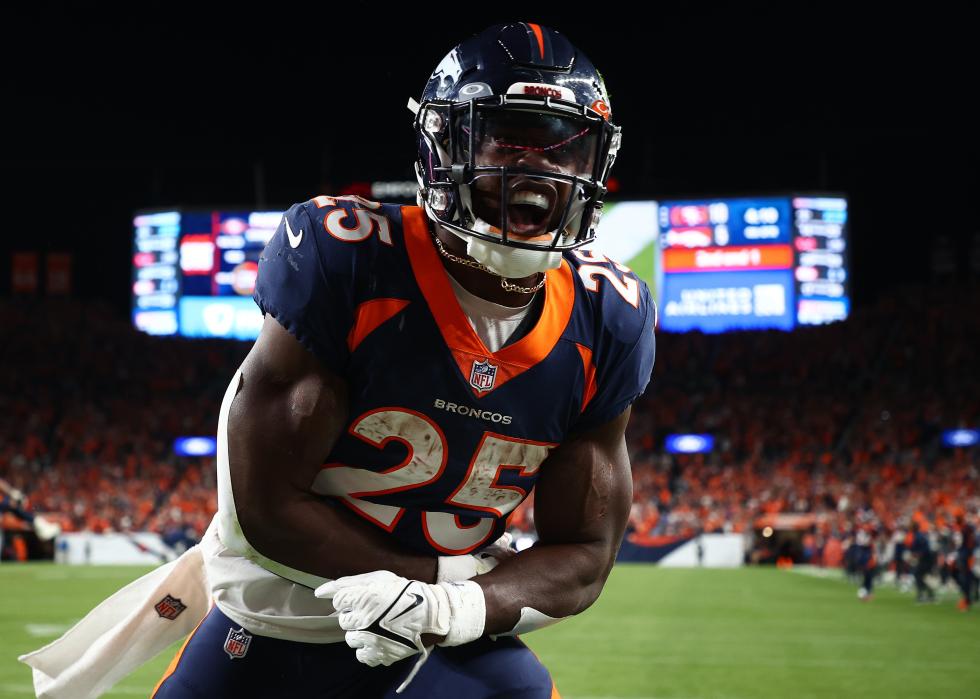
x=8 y=688
x=84 y=573
x=46 y=630
x=886 y=580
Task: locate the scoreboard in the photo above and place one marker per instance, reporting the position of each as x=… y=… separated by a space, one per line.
x=752 y=263
x=194 y=272
x=713 y=265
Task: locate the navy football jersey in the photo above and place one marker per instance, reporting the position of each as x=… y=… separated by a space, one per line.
x=446 y=438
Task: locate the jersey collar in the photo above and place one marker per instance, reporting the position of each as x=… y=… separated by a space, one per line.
x=466 y=346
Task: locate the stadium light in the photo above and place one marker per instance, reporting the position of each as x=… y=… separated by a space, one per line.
x=960 y=438
x=195 y=446
x=689 y=443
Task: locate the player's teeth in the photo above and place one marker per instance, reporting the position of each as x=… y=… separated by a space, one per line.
x=532 y=198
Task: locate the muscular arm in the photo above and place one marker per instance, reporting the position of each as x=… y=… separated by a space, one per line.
x=581 y=506
x=284 y=420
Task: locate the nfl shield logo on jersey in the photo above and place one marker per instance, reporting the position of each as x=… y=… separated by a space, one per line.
x=237 y=643
x=483 y=375
x=169 y=607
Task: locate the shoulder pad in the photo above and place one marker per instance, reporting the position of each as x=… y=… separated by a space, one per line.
x=621 y=301
x=623 y=347
x=349 y=219
x=307 y=283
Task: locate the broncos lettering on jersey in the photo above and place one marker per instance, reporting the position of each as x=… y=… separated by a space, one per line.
x=445 y=437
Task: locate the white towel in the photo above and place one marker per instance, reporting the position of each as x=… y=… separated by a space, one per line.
x=124 y=631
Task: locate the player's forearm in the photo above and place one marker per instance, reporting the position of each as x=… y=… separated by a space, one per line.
x=582 y=503
x=306 y=533
x=559 y=580
x=581 y=510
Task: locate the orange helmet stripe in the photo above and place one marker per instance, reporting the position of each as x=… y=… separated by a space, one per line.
x=537 y=33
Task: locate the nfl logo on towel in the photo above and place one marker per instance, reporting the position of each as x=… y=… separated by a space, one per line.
x=483 y=375
x=236 y=645
x=169 y=607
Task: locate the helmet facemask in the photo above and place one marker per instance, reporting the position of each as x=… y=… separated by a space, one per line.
x=522 y=172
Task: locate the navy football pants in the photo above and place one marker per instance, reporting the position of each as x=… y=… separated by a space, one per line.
x=270 y=667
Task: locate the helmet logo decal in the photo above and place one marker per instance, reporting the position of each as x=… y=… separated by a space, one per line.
x=447 y=73
x=558 y=92
x=602 y=108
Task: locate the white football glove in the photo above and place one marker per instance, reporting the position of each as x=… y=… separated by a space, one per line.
x=385 y=615
x=456 y=568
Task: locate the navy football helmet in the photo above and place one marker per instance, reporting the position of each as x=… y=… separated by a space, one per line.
x=516 y=141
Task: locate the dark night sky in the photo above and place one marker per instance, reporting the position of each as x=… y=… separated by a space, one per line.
x=107 y=113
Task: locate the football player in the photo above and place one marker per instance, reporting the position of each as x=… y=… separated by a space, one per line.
x=923 y=560
x=966 y=576
x=14 y=501
x=866 y=543
x=420 y=369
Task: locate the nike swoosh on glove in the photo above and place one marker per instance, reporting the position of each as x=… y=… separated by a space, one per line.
x=385 y=615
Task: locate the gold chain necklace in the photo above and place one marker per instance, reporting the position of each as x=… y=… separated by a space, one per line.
x=508 y=286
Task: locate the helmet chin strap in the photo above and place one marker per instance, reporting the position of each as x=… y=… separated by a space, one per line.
x=505 y=271
x=506 y=261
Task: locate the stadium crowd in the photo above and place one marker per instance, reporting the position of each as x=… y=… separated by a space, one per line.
x=833 y=429
x=92 y=408
x=833 y=433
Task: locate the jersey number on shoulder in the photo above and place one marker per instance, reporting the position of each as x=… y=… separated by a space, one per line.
x=357 y=224
x=480 y=489
x=626 y=286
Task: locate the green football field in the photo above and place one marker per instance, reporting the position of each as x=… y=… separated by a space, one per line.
x=665 y=633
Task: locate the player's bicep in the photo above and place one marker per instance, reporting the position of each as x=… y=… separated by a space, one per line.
x=288 y=412
x=584 y=492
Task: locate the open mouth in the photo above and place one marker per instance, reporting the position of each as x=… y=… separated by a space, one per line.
x=531 y=206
